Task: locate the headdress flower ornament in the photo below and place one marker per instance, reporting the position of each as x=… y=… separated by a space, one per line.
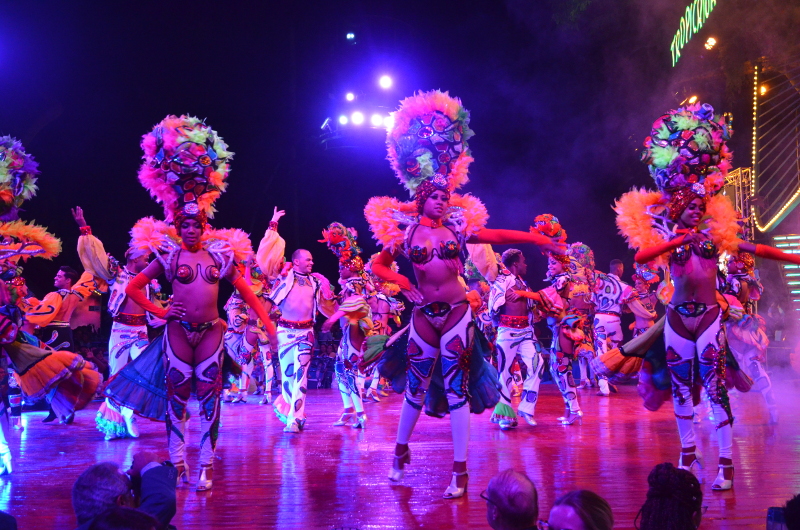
x=342 y=242
x=427 y=144
x=548 y=225
x=746 y=259
x=645 y=273
x=687 y=155
x=18 y=172
x=185 y=167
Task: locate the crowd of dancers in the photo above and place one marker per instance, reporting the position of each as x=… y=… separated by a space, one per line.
x=471 y=328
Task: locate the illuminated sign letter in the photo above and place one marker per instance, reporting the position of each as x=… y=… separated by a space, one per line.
x=695 y=15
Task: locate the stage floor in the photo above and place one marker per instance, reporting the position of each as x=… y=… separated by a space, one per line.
x=335 y=477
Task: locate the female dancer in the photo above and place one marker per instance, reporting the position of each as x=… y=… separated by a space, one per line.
x=688 y=159
x=643 y=278
x=185 y=167
x=428 y=150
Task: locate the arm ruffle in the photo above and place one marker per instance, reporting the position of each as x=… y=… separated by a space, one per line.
x=482 y=255
x=152 y=235
x=473 y=215
x=93 y=257
x=386 y=230
x=723 y=224
x=635 y=225
x=270 y=254
x=237 y=240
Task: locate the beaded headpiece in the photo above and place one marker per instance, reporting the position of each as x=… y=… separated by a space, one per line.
x=687 y=155
x=645 y=273
x=18 y=172
x=548 y=225
x=185 y=167
x=342 y=242
x=427 y=144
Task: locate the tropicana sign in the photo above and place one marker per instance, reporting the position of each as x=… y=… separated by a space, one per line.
x=696 y=14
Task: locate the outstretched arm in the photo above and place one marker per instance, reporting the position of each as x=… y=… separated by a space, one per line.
x=650 y=253
x=90 y=249
x=768 y=252
x=640 y=311
x=495 y=236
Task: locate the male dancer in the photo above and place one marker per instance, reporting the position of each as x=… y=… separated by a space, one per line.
x=299 y=295
x=513 y=316
x=642 y=279
x=52 y=314
x=610 y=295
x=129 y=330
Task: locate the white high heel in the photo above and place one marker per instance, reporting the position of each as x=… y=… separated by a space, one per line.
x=721 y=483
x=453 y=491
x=572 y=418
x=203 y=483
x=344 y=419
x=698 y=459
x=361 y=422
x=183 y=473
x=396 y=475
x=5 y=462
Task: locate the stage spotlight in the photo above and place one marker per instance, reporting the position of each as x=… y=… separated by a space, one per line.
x=763 y=89
x=343 y=120
x=388 y=122
x=376 y=120
x=385 y=81
x=692 y=100
x=350 y=96
x=710 y=43
x=351 y=36
x=357 y=118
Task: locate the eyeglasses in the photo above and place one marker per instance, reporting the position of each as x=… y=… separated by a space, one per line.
x=485 y=496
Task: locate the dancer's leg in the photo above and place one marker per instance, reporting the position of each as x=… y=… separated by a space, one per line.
x=208 y=377
x=179 y=388
x=506 y=349
x=301 y=358
x=530 y=352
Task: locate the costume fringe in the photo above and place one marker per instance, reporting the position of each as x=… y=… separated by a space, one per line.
x=634 y=223
x=723 y=223
x=22 y=233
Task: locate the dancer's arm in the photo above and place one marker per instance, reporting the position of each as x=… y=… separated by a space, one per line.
x=270 y=255
x=135 y=291
x=768 y=252
x=91 y=251
x=650 y=253
x=530 y=295
x=381 y=267
x=255 y=304
x=640 y=311
x=495 y=236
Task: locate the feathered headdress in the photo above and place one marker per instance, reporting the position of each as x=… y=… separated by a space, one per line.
x=18 y=172
x=342 y=242
x=19 y=239
x=548 y=225
x=645 y=273
x=687 y=157
x=185 y=167
x=428 y=143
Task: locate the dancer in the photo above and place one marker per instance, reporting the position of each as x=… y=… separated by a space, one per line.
x=245 y=338
x=513 y=314
x=428 y=150
x=299 y=294
x=566 y=304
x=63 y=378
x=688 y=159
x=746 y=331
x=643 y=278
x=355 y=315
x=611 y=295
x=183 y=153
x=129 y=330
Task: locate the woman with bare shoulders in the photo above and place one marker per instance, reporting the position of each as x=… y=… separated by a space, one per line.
x=428 y=151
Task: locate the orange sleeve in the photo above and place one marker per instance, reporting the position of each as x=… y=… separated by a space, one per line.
x=495 y=236
x=650 y=253
x=135 y=292
x=382 y=269
x=530 y=295
x=41 y=313
x=768 y=252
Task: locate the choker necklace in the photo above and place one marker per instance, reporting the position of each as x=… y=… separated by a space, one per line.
x=430 y=223
x=192 y=248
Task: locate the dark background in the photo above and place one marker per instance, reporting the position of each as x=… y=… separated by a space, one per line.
x=561 y=92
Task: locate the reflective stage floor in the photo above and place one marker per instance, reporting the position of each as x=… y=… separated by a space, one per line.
x=335 y=477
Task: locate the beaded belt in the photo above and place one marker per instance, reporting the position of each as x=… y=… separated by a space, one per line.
x=130 y=320
x=303 y=324
x=516 y=322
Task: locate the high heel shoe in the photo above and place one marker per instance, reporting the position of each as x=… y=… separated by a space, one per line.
x=183 y=473
x=571 y=418
x=721 y=483
x=361 y=422
x=203 y=483
x=453 y=491
x=698 y=459
x=395 y=474
x=344 y=419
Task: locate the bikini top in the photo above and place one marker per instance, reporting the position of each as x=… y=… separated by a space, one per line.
x=447 y=250
x=705 y=249
x=186 y=274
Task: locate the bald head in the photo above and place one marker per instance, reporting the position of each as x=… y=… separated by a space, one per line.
x=513 y=501
x=302 y=261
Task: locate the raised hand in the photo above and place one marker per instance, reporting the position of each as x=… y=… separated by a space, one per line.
x=77 y=214
x=277 y=214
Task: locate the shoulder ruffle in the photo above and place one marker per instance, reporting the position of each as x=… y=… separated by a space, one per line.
x=635 y=224
x=723 y=223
